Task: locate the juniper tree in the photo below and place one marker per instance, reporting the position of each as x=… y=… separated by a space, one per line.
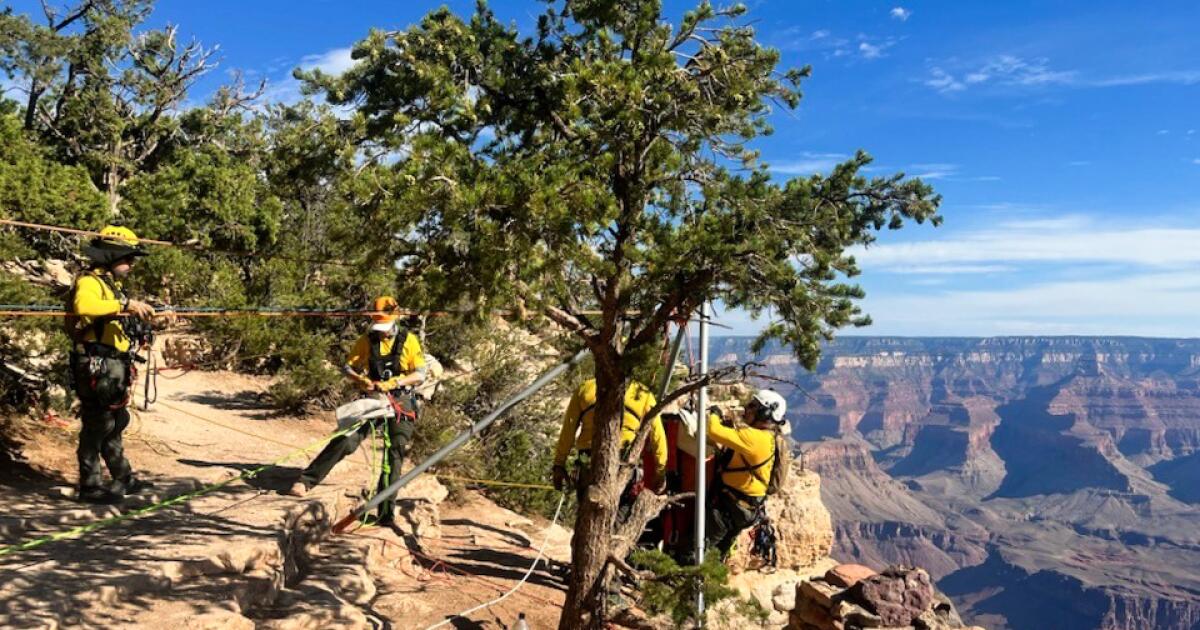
x=598 y=167
x=101 y=89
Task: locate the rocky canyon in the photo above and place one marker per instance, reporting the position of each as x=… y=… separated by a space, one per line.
x=1043 y=482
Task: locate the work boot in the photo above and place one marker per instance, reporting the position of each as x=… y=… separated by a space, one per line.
x=100 y=496
x=133 y=485
x=298 y=489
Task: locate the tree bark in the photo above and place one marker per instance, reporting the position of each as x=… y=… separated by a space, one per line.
x=591 y=541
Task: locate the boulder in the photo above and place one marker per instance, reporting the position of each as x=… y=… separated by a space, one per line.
x=803 y=527
x=783 y=598
x=847 y=575
x=425 y=488
x=818 y=592
x=419 y=519
x=899 y=595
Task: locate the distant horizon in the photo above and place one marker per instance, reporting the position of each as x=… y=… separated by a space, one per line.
x=974 y=337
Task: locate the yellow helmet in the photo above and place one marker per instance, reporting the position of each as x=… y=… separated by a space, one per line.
x=114 y=243
x=119 y=234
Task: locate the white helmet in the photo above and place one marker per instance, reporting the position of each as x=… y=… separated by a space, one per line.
x=771 y=404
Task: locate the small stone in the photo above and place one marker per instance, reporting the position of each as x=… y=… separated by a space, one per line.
x=847 y=575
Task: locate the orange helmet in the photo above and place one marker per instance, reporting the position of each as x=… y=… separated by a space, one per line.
x=386 y=313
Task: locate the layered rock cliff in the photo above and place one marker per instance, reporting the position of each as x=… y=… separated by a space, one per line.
x=1009 y=467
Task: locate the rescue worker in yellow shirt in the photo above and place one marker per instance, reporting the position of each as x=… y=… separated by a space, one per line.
x=743 y=469
x=101 y=323
x=579 y=419
x=388 y=360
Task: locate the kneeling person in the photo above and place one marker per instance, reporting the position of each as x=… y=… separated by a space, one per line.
x=386 y=360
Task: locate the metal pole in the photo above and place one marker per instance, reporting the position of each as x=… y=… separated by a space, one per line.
x=701 y=451
x=458 y=441
x=672 y=358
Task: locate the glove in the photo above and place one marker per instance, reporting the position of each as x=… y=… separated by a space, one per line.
x=559 y=475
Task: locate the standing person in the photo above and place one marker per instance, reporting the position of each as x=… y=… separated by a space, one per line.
x=103 y=324
x=389 y=361
x=743 y=470
x=578 y=419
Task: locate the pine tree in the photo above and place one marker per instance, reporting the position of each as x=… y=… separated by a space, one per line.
x=602 y=167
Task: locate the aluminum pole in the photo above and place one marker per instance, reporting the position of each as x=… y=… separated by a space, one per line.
x=701 y=452
x=665 y=385
x=458 y=441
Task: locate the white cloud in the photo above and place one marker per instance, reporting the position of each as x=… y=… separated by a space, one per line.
x=870 y=51
x=948 y=269
x=286 y=89
x=1182 y=77
x=809 y=163
x=1070 y=239
x=900 y=13
x=1196 y=161
x=943 y=81
x=935 y=170
x=334 y=61
x=1005 y=70
x=1012 y=70
x=1163 y=132
x=821 y=34
x=1150 y=304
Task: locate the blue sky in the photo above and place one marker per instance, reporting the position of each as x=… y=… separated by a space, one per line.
x=1064 y=136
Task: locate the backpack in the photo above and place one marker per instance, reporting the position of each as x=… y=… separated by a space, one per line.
x=783 y=465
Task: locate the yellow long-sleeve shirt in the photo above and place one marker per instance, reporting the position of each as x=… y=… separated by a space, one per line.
x=579 y=416
x=412 y=358
x=96 y=299
x=750 y=447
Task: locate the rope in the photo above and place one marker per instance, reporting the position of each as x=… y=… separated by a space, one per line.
x=150 y=509
x=518 y=585
x=191 y=312
x=150 y=241
x=489 y=482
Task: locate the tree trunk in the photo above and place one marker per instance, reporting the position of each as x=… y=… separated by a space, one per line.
x=591 y=541
x=35 y=93
x=112 y=190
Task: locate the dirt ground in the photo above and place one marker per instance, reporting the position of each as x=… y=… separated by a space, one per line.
x=244 y=556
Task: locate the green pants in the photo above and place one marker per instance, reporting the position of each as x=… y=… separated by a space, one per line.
x=102 y=384
x=399 y=432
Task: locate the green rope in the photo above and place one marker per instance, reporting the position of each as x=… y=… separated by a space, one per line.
x=150 y=509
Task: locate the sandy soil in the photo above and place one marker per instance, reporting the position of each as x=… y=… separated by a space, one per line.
x=235 y=558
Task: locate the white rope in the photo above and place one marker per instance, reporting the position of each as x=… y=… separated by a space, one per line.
x=514 y=589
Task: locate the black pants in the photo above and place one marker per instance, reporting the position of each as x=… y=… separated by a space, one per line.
x=399 y=432
x=728 y=516
x=103 y=395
